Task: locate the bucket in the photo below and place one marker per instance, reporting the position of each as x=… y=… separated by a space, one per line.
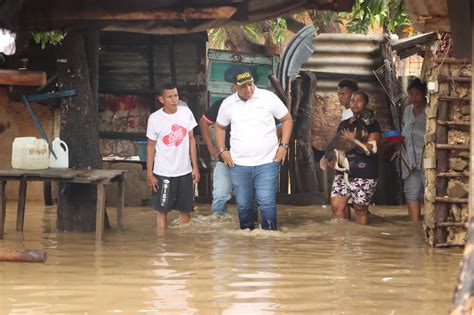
x=141 y=149
x=61 y=150
x=30 y=153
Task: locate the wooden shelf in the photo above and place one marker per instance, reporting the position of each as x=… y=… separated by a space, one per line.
x=453 y=174
x=444 y=78
x=451 y=224
x=451 y=200
x=447 y=146
x=447 y=245
x=450 y=60
x=452 y=98
x=453 y=123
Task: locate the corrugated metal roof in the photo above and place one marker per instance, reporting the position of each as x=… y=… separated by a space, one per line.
x=338 y=56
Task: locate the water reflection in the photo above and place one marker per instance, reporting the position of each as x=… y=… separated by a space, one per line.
x=312 y=265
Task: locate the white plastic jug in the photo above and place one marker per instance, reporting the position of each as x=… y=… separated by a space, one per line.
x=30 y=153
x=61 y=150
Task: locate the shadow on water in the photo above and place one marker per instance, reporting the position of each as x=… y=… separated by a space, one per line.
x=311 y=265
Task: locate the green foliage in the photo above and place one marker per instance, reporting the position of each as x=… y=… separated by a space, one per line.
x=327 y=18
x=217 y=37
x=390 y=14
x=53 y=38
x=277 y=30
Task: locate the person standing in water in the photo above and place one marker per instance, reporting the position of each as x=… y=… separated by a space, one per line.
x=172 y=166
x=413 y=129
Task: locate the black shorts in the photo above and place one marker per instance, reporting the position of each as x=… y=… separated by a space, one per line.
x=174 y=193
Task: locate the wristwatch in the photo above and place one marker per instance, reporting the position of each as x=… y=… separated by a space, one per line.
x=284 y=145
x=222 y=150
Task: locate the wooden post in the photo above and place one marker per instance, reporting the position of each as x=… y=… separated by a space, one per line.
x=295 y=181
x=442 y=165
x=471 y=157
x=20 y=215
x=3 y=208
x=120 y=202
x=28 y=255
x=305 y=162
x=99 y=221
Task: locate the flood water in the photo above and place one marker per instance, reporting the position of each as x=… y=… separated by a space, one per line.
x=310 y=266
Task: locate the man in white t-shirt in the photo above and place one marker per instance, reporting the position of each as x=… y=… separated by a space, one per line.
x=255 y=155
x=172 y=168
x=345 y=88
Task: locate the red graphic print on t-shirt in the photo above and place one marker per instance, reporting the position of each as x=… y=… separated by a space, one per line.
x=176 y=136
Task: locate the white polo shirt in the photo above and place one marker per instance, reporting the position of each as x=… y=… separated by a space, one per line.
x=253 y=139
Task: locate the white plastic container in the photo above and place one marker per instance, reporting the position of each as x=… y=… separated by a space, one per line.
x=61 y=150
x=30 y=153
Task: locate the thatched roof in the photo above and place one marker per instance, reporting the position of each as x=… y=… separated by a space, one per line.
x=150 y=16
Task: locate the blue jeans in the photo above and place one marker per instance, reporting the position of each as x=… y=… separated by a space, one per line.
x=260 y=183
x=221 y=188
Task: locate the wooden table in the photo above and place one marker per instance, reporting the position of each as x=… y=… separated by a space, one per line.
x=101 y=178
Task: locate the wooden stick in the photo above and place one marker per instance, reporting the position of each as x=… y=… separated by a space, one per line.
x=22 y=77
x=445 y=78
x=447 y=146
x=450 y=60
x=278 y=88
x=3 y=203
x=453 y=174
x=451 y=200
x=453 y=123
x=28 y=255
x=450 y=98
x=452 y=224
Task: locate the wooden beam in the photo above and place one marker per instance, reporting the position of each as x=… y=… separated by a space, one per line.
x=209 y=13
x=22 y=77
x=453 y=123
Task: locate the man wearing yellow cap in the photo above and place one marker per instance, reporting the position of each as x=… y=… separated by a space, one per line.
x=255 y=154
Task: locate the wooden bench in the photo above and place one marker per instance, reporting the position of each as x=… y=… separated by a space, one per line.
x=101 y=178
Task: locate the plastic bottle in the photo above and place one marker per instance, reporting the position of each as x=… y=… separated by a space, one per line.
x=61 y=150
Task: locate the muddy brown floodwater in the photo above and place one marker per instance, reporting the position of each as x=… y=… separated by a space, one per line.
x=310 y=266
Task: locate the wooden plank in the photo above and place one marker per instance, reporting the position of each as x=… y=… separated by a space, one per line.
x=453 y=174
x=448 y=245
x=453 y=123
x=99 y=220
x=452 y=98
x=199 y=13
x=450 y=60
x=3 y=208
x=445 y=78
x=442 y=165
x=20 y=215
x=120 y=203
x=22 y=77
x=448 y=146
x=450 y=200
x=452 y=224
